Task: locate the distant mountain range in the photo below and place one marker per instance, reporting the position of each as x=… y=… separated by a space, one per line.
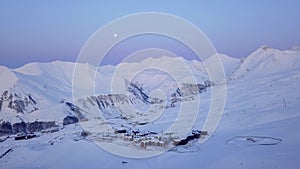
x=43 y=91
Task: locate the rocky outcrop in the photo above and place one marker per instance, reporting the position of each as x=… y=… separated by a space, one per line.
x=1 y=101
x=70 y=120
x=194 y=89
x=18 y=102
x=20 y=127
x=75 y=109
x=6 y=128
x=137 y=91
x=105 y=101
x=39 y=126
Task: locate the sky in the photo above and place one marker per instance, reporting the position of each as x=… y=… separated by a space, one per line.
x=44 y=31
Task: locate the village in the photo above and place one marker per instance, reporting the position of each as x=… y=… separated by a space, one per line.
x=148 y=140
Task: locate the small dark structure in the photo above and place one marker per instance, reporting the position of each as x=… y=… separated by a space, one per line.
x=196 y=134
x=25 y=137
x=182 y=142
x=135 y=132
x=152 y=132
x=142 y=123
x=120 y=131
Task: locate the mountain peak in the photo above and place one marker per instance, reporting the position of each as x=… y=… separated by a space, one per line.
x=295 y=48
x=265 y=48
x=9 y=76
x=268 y=61
x=30 y=69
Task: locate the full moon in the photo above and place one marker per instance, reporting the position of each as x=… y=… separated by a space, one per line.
x=115 y=35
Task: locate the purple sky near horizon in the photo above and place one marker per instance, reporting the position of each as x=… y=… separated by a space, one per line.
x=44 y=31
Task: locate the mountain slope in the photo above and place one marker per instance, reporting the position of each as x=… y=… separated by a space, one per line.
x=266 y=61
x=8 y=78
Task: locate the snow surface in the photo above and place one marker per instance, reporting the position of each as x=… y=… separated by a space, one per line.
x=7 y=77
x=262 y=105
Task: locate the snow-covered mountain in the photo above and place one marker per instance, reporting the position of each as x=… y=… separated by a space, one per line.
x=266 y=61
x=261 y=109
x=45 y=88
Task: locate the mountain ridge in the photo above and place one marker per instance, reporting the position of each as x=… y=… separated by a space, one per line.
x=51 y=83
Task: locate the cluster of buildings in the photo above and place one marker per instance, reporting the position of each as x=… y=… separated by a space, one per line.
x=153 y=139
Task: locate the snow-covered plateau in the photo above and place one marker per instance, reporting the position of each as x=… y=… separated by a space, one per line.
x=128 y=121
